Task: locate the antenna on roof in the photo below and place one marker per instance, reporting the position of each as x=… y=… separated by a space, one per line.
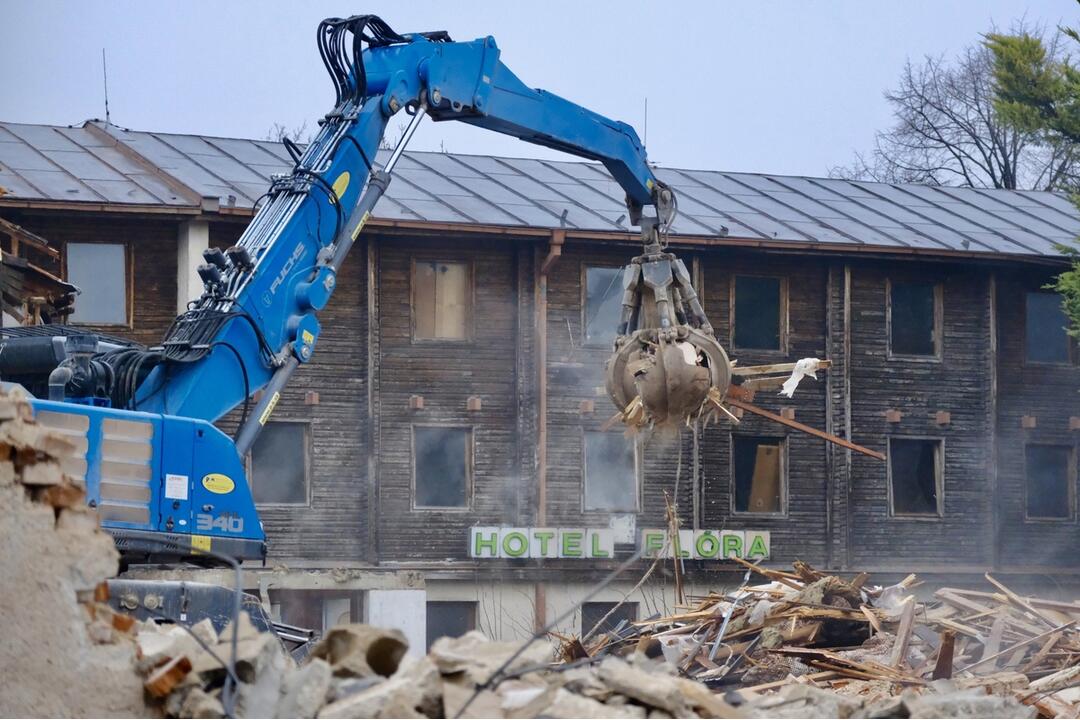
x=105 y=76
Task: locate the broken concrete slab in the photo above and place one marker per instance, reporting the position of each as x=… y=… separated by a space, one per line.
x=968 y=703
x=566 y=704
x=304 y=690
x=358 y=650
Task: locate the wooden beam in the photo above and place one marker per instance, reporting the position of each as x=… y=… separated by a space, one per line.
x=772 y=369
x=804 y=428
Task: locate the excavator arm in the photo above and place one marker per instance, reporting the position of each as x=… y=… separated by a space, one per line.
x=257 y=320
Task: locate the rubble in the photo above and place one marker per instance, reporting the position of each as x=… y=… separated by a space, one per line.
x=803 y=644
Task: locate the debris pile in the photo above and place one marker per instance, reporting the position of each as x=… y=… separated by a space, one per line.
x=807 y=631
x=58 y=656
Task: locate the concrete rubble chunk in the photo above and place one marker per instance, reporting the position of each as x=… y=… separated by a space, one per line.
x=358 y=650
x=414 y=691
x=486 y=704
x=304 y=690
x=200 y=704
x=969 y=703
x=41 y=474
x=802 y=701
x=525 y=699
x=262 y=674
x=570 y=705
x=652 y=689
x=479 y=658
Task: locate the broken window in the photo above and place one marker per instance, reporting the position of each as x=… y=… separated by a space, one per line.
x=442 y=466
x=915 y=476
x=316 y=609
x=1047 y=340
x=594 y=612
x=99 y=270
x=610 y=473
x=278 y=464
x=1049 y=476
x=913 y=319
x=758 y=466
x=449 y=618
x=441 y=296
x=603 y=304
x=757 y=312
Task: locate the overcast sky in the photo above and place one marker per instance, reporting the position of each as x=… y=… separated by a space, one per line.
x=780 y=87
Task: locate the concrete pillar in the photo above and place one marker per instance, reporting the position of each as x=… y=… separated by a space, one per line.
x=192 y=238
x=405 y=610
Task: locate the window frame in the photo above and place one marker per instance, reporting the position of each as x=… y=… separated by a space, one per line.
x=784 y=466
x=470 y=298
x=1072 y=347
x=470 y=454
x=939 y=478
x=638 y=479
x=1070 y=479
x=129 y=283
x=585 y=267
x=249 y=465
x=784 y=320
x=938 y=355
x=474 y=607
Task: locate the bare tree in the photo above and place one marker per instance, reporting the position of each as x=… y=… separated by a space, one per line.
x=278 y=132
x=948 y=133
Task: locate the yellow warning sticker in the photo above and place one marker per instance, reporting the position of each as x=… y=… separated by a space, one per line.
x=307 y=337
x=360 y=226
x=200 y=542
x=269 y=408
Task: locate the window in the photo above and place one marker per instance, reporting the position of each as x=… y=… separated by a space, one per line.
x=603 y=304
x=442 y=466
x=1049 y=471
x=757 y=313
x=915 y=468
x=758 y=468
x=610 y=472
x=317 y=609
x=449 y=619
x=441 y=295
x=594 y=612
x=100 y=272
x=278 y=464
x=1046 y=341
x=914 y=319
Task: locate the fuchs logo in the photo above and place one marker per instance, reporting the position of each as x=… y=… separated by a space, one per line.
x=298 y=252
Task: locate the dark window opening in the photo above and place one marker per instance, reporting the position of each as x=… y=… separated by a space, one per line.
x=1048 y=481
x=440 y=300
x=603 y=304
x=757 y=312
x=100 y=272
x=278 y=466
x=442 y=466
x=1047 y=340
x=594 y=612
x=315 y=609
x=913 y=312
x=610 y=472
x=449 y=619
x=915 y=467
x=758 y=467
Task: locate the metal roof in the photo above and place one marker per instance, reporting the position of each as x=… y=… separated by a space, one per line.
x=105 y=164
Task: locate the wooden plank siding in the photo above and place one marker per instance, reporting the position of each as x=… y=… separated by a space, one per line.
x=446 y=374
x=836 y=513
x=918 y=388
x=1048 y=393
x=800 y=531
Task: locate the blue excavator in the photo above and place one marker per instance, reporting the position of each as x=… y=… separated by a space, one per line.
x=166 y=481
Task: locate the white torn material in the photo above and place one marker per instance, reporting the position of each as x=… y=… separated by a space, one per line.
x=803 y=368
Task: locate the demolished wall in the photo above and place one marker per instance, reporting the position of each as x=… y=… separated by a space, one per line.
x=51 y=661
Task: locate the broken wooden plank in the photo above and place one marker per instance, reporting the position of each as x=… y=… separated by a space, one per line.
x=750 y=370
x=1020 y=644
x=829 y=437
x=1043 y=651
x=943 y=667
x=903 y=633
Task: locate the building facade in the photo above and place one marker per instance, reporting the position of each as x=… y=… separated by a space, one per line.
x=458 y=382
